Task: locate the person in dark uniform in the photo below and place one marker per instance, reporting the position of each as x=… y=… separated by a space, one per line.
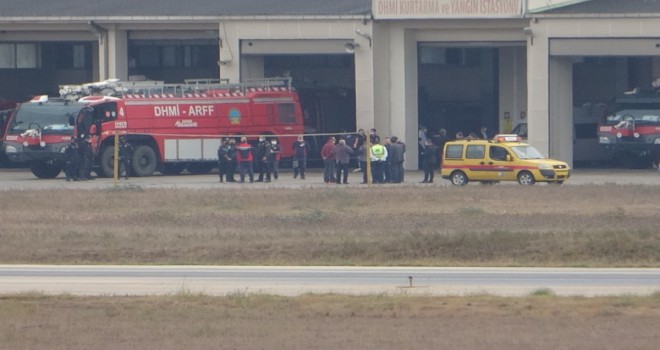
x=85 y=158
x=223 y=159
x=125 y=157
x=273 y=159
x=430 y=157
x=231 y=160
x=71 y=159
x=260 y=157
x=300 y=150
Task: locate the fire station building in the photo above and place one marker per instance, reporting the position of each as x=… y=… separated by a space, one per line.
x=550 y=66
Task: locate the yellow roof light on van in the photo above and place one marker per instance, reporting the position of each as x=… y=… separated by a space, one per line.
x=507 y=138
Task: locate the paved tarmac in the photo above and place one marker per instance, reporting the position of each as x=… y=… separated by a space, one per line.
x=24 y=179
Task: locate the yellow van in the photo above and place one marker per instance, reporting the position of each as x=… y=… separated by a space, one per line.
x=504 y=158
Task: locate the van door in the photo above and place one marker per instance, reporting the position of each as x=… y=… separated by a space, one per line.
x=475 y=159
x=500 y=162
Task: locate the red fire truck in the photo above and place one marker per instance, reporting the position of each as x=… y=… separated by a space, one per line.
x=172 y=127
x=630 y=128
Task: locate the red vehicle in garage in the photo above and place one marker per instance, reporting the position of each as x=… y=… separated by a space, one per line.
x=630 y=128
x=172 y=127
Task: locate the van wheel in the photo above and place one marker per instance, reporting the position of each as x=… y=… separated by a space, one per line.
x=459 y=178
x=108 y=162
x=526 y=178
x=144 y=161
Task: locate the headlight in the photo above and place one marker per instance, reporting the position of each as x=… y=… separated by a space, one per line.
x=603 y=139
x=63 y=149
x=657 y=141
x=42 y=144
x=10 y=149
x=636 y=135
x=545 y=166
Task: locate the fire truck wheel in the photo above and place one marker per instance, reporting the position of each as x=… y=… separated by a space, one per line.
x=108 y=162
x=45 y=170
x=144 y=161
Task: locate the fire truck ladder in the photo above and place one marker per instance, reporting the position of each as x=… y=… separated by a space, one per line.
x=159 y=89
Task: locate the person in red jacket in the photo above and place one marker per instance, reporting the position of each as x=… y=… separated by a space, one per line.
x=328 y=155
x=244 y=158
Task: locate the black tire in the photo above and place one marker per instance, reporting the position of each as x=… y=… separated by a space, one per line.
x=45 y=170
x=107 y=166
x=458 y=178
x=200 y=168
x=144 y=161
x=526 y=178
x=173 y=168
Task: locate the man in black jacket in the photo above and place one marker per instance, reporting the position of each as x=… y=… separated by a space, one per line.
x=125 y=157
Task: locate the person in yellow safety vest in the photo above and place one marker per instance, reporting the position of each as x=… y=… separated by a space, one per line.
x=378 y=155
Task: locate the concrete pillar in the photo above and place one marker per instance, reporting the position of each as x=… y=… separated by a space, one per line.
x=365 y=88
x=561 y=109
x=403 y=91
x=117 y=54
x=512 y=88
x=537 y=90
x=229 y=63
x=252 y=67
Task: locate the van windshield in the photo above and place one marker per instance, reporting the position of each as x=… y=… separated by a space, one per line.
x=527 y=152
x=47 y=118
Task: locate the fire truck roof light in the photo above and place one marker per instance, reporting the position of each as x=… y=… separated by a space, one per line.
x=39 y=99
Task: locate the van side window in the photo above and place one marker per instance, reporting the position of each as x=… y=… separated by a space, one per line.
x=454 y=152
x=476 y=151
x=497 y=153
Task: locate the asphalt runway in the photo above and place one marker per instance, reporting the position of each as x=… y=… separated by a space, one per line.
x=292 y=281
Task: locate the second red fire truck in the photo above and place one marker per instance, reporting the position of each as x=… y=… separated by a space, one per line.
x=172 y=127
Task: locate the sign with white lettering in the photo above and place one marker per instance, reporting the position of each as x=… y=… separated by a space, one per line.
x=420 y=9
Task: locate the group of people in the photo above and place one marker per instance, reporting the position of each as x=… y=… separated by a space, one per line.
x=262 y=159
x=386 y=158
x=79 y=158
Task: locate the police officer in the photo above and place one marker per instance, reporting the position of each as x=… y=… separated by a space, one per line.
x=231 y=160
x=273 y=159
x=378 y=155
x=71 y=158
x=300 y=150
x=260 y=157
x=125 y=156
x=85 y=158
x=223 y=160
